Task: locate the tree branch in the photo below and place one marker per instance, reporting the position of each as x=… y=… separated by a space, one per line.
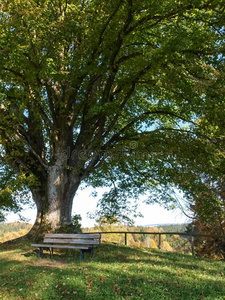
x=129 y=93
x=127 y=57
x=100 y=40
x=39 y=107
x=143 y=116
x=27 y=140
x=17 y=73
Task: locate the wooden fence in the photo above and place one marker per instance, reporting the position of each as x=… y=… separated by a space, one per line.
x=181 y=234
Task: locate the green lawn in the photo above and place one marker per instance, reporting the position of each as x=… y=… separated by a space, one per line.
x=115 y=272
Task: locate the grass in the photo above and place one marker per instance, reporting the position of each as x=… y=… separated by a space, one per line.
x=115 y=272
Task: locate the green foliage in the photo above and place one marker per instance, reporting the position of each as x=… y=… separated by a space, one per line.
x=209 y=211
x=76 y=221
x=73 y=227
x=115 y=272
x=13 y=191
x=120 y=87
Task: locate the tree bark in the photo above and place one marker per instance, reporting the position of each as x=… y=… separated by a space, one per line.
x=54 y=200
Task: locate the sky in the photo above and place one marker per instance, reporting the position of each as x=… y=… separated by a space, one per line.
x=84 y=203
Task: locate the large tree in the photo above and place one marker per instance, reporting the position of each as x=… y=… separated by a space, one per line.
x=103 y=90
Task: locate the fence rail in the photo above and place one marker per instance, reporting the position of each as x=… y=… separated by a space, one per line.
x=181 y=234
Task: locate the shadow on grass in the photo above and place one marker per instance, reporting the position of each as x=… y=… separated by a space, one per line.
x=112 y=253
x=115 y=272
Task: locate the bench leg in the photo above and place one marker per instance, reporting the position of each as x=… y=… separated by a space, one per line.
x=81 y=254
x=91 y=252
x=51 y=252
x=40 y=252
x=82 y=251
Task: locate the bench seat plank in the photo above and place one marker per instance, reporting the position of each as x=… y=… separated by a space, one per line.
x=72 y=235
x=60 y=246
x=71 y=241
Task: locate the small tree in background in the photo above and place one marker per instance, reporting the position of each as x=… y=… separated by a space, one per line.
x=209 y=209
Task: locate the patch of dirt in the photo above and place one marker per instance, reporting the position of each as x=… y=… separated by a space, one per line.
x=48 y=263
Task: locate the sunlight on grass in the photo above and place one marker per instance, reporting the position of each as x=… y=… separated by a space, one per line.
x=115 y=272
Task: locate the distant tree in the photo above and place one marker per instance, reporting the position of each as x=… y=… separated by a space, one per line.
x=104 y=91
x=112 y=225
x=209 y=210
x=150 y=243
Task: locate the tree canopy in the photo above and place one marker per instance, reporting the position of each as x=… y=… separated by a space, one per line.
x=107 y=92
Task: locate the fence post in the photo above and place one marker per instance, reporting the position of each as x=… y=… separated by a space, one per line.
x=125 y=239
x=159 y=241
x=192 y=245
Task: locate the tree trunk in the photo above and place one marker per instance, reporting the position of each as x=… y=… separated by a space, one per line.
x=54 y=200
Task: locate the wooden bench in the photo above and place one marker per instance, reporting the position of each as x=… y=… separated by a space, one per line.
x=84 y=242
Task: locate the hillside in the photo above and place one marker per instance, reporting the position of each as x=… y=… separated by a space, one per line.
x=8 y=227
x=142 y=236
x=115 y=272
x=173 y=227
x=10 y=231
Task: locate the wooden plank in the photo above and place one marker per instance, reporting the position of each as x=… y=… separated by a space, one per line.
x=72 y=235
x=59 y=246
x=71 y=241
